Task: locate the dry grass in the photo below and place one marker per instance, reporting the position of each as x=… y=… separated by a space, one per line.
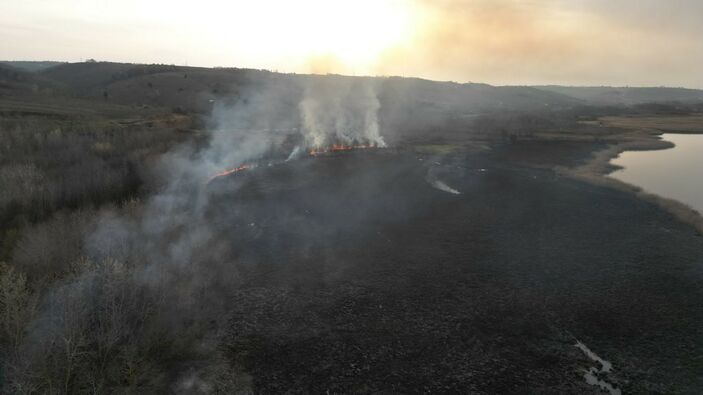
x=665 y=123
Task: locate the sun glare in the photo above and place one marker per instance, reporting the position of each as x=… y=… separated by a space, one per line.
x=357 y=33
x=349 y=36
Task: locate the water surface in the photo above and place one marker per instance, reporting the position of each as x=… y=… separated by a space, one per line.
x=675 y=173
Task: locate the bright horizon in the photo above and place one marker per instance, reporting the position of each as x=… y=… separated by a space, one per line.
x=500 y=42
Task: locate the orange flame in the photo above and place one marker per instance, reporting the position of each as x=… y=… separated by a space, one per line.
x=230 y=171
x=312 y=152
x=339 y=147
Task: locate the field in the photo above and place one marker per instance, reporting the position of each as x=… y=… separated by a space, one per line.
x=486 y=291
x=669 y=124
x=470 y=255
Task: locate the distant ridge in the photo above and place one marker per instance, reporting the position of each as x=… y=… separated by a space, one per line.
x=29 y=65
x=194 y=88
x=197 y=88
x=626 y=95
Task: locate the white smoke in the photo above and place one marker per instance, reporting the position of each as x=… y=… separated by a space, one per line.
x=338 y=110
x=432 y=179
x=443 y=187
x=294 y=154
x=170 y=242
x=251 y=128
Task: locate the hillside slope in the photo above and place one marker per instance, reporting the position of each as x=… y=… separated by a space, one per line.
x=626 y=95
x=15 y=82
x=193 y=88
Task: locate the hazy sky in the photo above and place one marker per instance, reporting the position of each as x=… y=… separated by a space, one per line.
x=574 y=42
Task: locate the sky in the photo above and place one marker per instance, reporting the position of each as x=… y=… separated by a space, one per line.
x=501 y=42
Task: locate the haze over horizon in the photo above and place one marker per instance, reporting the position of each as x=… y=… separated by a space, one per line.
x=501 y=42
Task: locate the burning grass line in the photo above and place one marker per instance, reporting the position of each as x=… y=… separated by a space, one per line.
x=313 y=152
x=230 y=171
x=338 y=148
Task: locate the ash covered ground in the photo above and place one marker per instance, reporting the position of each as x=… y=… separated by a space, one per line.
x=356 y=275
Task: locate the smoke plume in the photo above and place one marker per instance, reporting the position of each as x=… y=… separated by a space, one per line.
x=340 y=110
x=183 y=249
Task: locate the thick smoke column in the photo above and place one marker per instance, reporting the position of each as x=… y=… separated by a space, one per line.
x=338 y=110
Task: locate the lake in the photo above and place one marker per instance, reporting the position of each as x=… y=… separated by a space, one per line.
x=675 y=173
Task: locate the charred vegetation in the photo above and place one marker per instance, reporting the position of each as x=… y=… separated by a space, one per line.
x=240 y=231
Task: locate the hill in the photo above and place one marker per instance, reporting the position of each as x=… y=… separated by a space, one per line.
x=193 y=88
x=604 y=95
x=412 y=105
x=16 y=82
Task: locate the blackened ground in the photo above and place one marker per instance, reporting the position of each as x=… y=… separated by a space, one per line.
x=355 y=275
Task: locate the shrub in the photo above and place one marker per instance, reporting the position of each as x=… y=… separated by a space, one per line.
x=47 y=250
x=17 y=307
x=99 y=331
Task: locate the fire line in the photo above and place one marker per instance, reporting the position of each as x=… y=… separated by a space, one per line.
x=312 y=152
x=339 y=147
x=230 y=171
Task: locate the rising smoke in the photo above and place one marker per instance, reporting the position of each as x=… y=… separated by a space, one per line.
x=170 y=246
x=264 y=127
x=340 y=110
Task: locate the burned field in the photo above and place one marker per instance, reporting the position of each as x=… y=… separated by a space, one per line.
x=356 y=275
x=310 y=234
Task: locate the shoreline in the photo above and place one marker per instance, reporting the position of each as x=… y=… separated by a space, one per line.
x=598 y=168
